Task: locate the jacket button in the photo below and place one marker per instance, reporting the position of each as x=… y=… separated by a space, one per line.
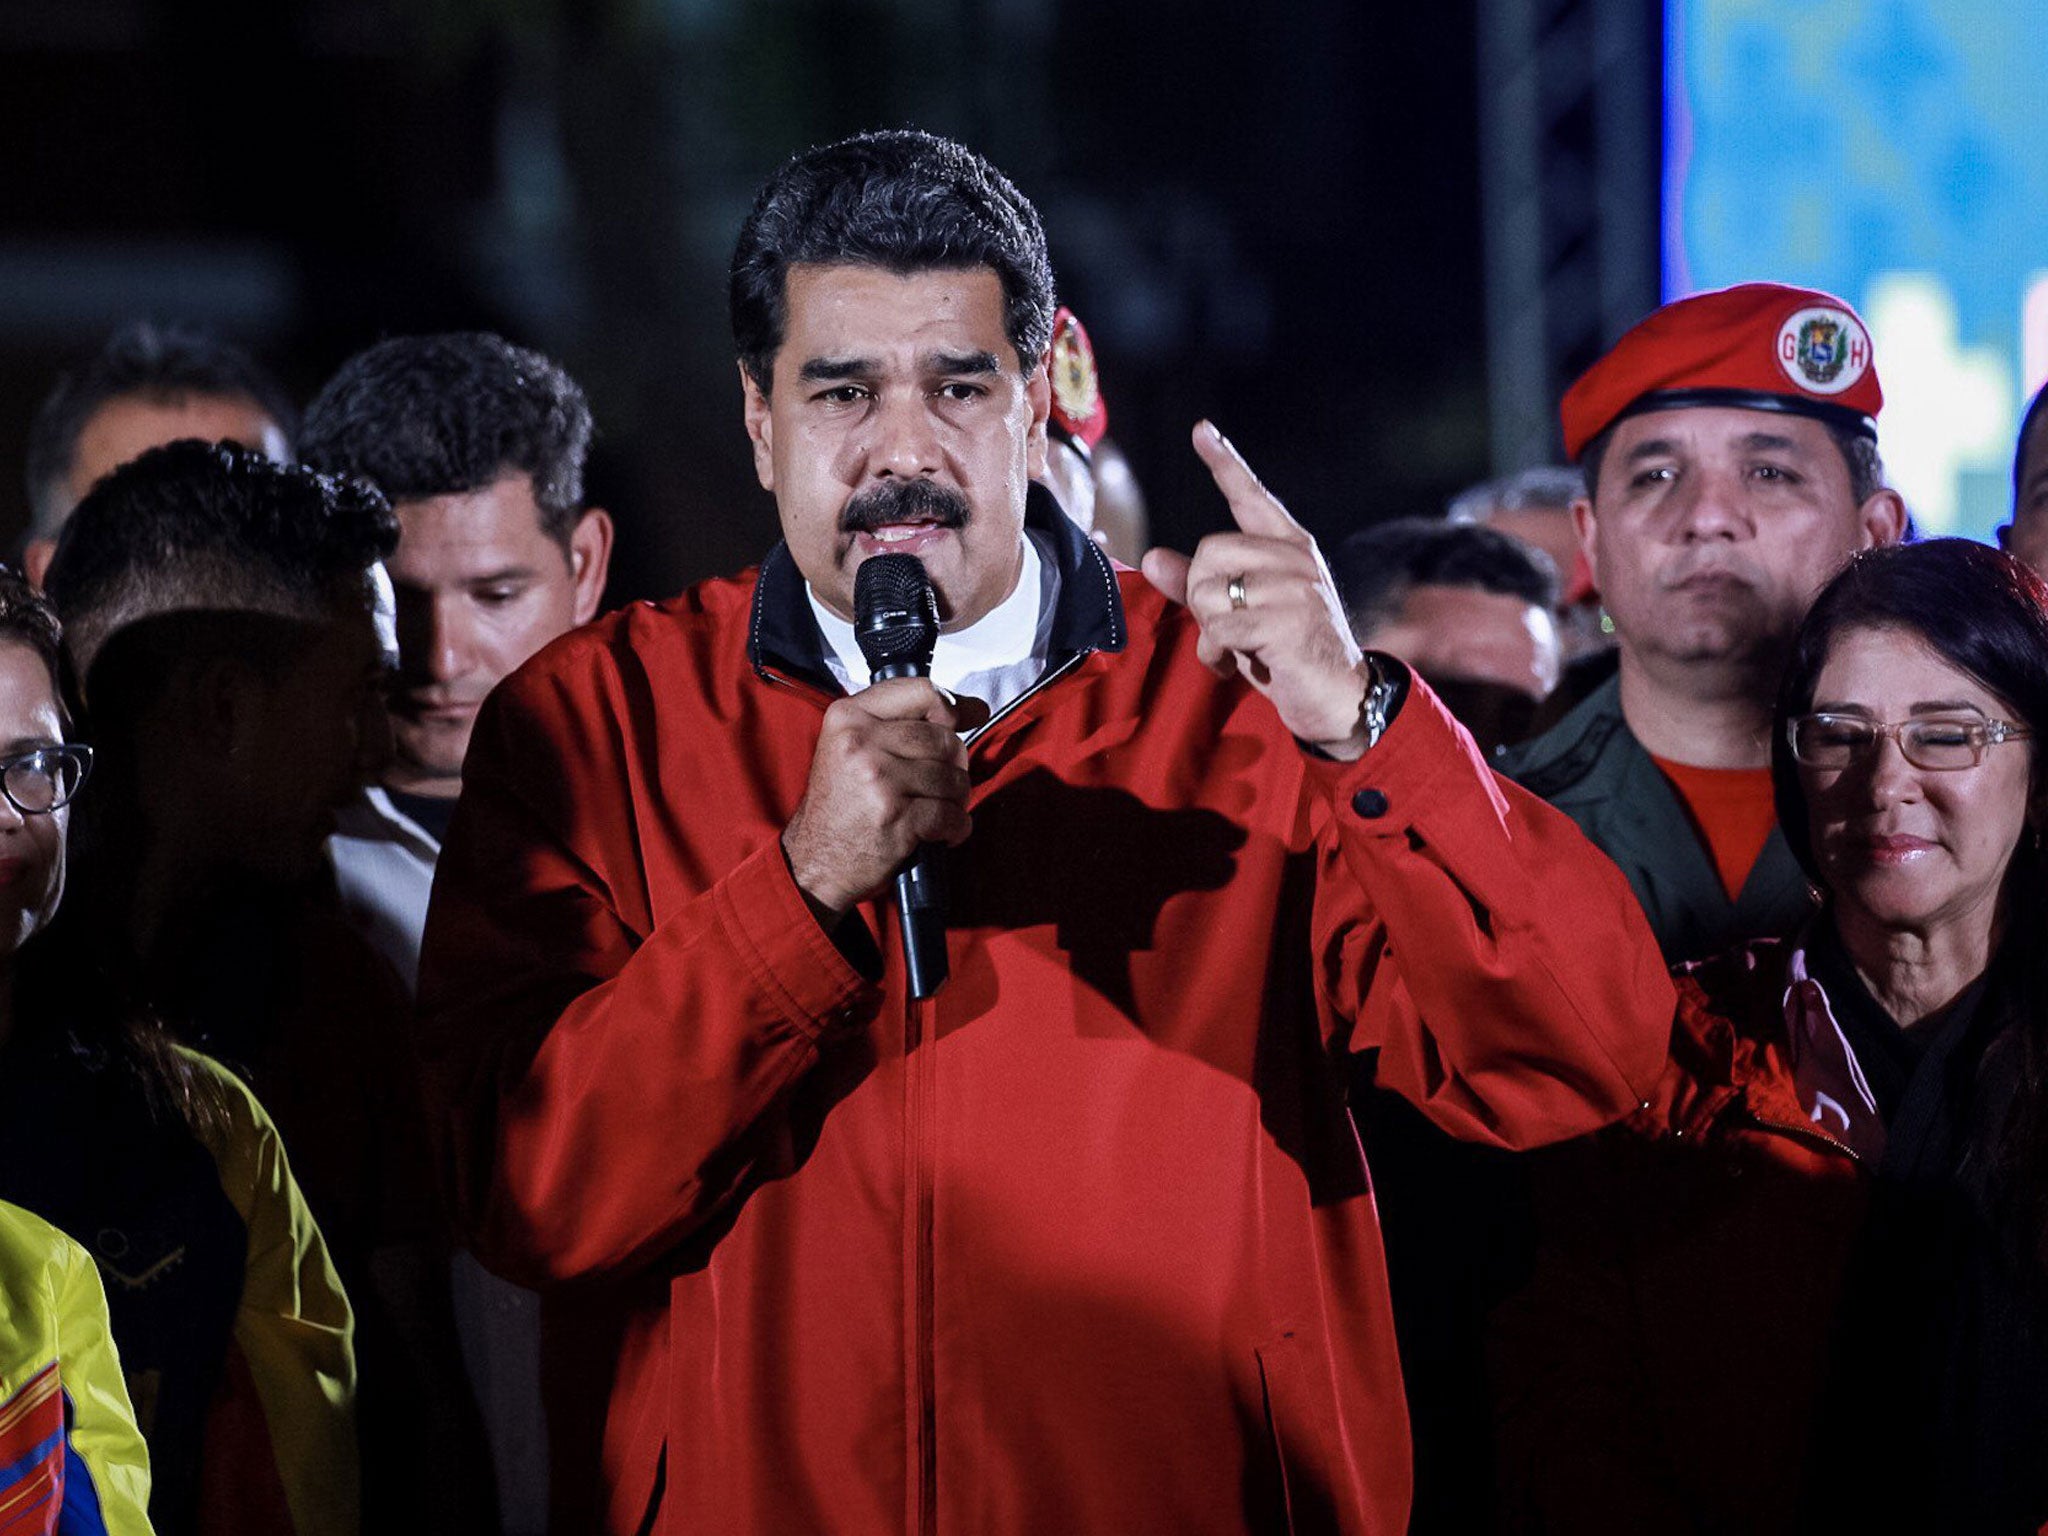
x=1369 y=803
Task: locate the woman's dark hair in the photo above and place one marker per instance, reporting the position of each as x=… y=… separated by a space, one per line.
x=1986 y=614
x=27 y=619
x=2037 y=408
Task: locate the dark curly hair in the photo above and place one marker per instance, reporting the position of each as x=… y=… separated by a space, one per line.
x=421 y=416
x=903 y=201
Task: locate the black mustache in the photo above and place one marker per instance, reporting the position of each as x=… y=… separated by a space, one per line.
x=903 y=501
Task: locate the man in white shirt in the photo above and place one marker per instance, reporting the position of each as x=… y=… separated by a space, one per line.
x=480 y=447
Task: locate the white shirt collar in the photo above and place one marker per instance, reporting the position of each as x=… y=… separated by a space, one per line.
x=994 y=659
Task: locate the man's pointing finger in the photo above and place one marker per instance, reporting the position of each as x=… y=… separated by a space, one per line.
x=1255 y=509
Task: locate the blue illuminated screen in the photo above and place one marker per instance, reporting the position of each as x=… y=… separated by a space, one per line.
x=1895 y=154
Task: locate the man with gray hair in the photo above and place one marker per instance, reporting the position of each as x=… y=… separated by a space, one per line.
x=1533 y=505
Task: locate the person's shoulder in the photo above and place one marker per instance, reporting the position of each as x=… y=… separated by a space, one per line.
x=34 y=1252
x=46 y=1275
x=237 y=1131
x=686 y=627
x=233 y=1101
x=1147 y=613
x=1566 y=756
x=690 y=643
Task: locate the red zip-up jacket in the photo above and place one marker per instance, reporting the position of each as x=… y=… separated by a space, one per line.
x=1086 y=1242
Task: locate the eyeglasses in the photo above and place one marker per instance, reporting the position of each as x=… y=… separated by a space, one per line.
x=44 y=780
x=1936 y=742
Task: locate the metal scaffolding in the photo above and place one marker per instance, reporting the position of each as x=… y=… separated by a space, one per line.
x=1570 y=126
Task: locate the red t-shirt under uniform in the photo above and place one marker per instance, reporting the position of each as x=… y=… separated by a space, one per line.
x=1733 y=812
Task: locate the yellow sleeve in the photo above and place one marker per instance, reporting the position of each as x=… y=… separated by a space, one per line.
x=106 y=1449
x=294 y=1328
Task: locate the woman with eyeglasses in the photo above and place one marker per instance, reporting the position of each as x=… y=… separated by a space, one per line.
x=71 y=1459
x=232 y=1329
x=1806 y=1286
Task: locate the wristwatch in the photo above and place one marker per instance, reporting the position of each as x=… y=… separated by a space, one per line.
x=1377 y=707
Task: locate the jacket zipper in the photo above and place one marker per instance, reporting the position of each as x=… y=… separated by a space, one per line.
x=920 y=1091
x=918 y=1110
x=1807 y=1133
x=920 y=1078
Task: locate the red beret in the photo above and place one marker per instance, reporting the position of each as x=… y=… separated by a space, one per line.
x=1758 y=346
x=1079 y=413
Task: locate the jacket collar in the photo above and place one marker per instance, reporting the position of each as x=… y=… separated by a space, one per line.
x=1088 y=616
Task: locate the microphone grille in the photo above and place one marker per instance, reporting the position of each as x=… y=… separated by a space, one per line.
x=895 y=611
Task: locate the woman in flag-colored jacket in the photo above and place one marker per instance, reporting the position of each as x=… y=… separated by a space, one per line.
x=72 y=1462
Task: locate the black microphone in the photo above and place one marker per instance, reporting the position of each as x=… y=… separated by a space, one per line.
x=896 y=621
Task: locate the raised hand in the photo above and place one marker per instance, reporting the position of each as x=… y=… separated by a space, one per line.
x=1268 y=609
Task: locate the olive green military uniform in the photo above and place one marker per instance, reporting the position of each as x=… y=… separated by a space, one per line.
x=1590 y=766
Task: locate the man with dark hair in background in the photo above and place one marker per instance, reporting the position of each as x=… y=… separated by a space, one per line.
x=227 y=618
x=2026 y=535
x=1082 y=1240
x=480 y=445
x=1470 y=609
x=1533 y=505
x=1729 y=443
x=147 y=385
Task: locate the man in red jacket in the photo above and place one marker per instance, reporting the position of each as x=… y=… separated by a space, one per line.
x=1084 y=1241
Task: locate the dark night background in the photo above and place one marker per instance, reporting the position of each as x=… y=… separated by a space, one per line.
x=1266 y=215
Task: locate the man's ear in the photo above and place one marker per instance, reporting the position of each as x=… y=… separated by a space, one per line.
x=1038 y=392
x=1883 y=518
x=760 y=428
x=590 y=560
x=1586 y=526
x=35 y=560
x=214 y=703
